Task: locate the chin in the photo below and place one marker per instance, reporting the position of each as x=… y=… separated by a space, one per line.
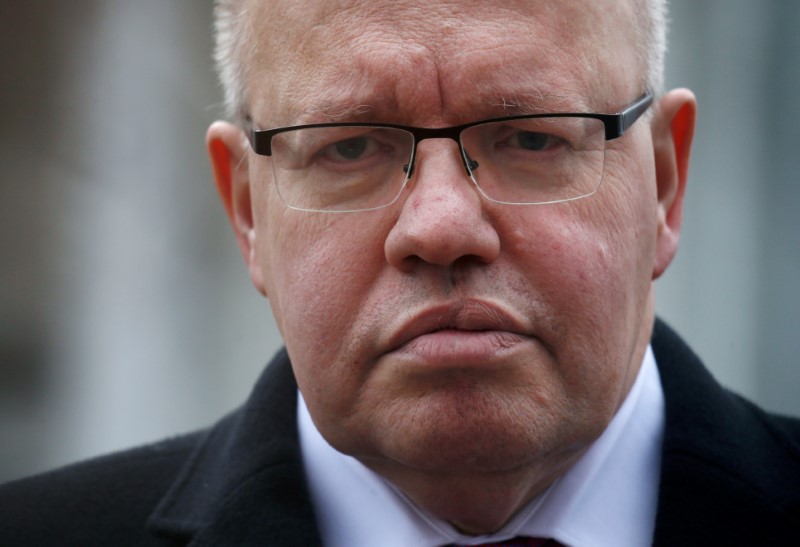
x=460 y=435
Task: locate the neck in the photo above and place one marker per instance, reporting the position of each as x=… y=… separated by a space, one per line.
x=475 y=503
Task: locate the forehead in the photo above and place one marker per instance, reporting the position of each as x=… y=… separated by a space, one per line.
x=436 y=61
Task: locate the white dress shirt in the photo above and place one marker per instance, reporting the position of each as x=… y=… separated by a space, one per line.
x=608 y=498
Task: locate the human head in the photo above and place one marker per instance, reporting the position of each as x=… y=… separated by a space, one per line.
x=467 y=351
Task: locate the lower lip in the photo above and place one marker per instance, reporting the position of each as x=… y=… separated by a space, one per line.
x=459 y=348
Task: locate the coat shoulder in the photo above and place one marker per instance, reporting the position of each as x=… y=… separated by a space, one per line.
x=102 y=501
x=730 y=470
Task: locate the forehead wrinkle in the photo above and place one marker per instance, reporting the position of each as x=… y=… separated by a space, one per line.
x=354 y=102
x=353 y=92
x=536 y=102
x=363 y=89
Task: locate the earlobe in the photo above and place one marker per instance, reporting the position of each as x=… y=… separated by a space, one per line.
x=673 y=130
x=227 y=149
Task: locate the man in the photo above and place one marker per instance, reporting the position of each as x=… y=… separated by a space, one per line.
x=457 y=211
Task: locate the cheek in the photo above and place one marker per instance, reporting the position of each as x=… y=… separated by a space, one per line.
x=320 y=266
x=584 y=280
x=312 y=276
x=615 y=237
x=591 y=260
x=572 y=258
x=621 y=219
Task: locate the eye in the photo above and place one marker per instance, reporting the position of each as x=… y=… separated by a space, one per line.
x=352 y=149
x=533 y=141
x=343 y=147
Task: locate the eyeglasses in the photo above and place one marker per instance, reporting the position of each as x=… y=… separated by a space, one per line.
x=516 y=160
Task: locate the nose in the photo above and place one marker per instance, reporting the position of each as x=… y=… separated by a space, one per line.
x=442 y=220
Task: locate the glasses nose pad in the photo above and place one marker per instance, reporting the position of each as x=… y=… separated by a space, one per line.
x=469 y=163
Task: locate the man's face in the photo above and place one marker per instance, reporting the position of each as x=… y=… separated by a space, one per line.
x=445 y=333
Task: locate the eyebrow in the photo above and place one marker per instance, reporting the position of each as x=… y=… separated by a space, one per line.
x=329 y=111
x=538 y=102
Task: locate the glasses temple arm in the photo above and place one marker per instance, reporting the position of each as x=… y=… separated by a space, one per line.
x=628 y=117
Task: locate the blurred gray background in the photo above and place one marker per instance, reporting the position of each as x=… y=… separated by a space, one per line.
x=126 y=314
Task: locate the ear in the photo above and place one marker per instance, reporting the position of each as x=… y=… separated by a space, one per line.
x=228 y=149
x=673 y=129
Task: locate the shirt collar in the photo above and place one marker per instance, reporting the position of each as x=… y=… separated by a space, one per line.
x=355 y=506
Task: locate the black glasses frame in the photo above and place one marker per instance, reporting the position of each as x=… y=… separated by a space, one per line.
x=615 y=126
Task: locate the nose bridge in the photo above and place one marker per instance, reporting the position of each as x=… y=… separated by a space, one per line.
x=447 y=133
x=441 y=166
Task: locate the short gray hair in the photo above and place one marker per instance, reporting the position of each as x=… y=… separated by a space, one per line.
x=234 y=33
x=651 y=24
x=232 y=40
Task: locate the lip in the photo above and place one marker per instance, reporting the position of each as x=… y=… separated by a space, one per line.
x=463 y=333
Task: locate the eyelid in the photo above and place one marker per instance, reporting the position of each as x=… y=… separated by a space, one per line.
x=380 y=143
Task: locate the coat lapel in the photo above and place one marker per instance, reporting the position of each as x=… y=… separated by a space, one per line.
x=730 y=473
x=245 y=483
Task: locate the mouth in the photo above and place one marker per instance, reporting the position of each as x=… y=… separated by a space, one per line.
x=465 y=333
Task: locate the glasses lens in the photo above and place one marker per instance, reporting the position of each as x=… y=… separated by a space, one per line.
x=536 y=160
x=341 y=168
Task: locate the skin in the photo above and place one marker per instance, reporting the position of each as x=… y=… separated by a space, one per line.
x=467 y=351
